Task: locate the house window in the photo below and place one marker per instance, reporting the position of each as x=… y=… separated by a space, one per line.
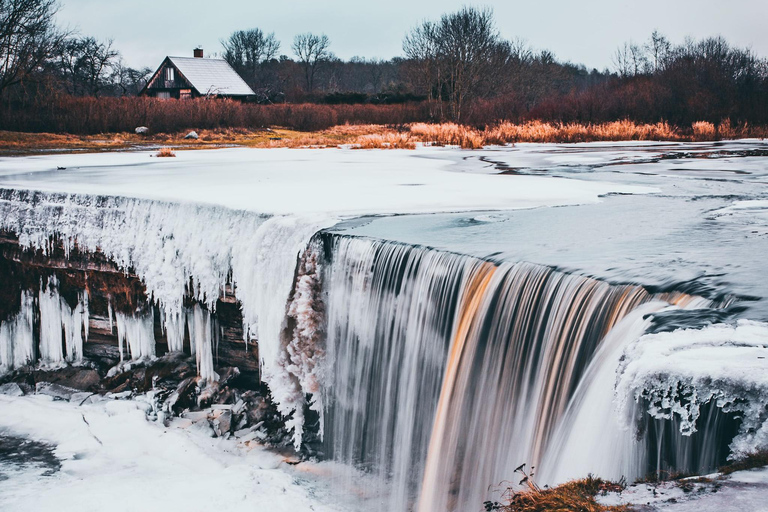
x=185 y=94
x=163 y=95
x=169 y=75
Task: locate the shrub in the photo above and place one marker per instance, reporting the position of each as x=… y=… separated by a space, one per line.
x=703 y=131
x=165 y=152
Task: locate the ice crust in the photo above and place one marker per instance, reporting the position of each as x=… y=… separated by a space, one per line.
x=677 y=372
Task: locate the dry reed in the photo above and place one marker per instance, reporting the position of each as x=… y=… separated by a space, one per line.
x=165 y=152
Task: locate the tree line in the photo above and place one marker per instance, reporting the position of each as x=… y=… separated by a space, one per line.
x=457 y=65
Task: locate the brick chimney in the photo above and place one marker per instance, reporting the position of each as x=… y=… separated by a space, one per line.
x=198 y=53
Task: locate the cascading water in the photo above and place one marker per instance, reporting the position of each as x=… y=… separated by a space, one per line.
x=446 y=372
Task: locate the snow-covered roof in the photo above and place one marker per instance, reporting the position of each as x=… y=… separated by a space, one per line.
x=211 y=76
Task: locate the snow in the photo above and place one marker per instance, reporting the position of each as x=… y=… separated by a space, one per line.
x=112 y=458
x=338 y=182
x=742 y=490
x=677 y=372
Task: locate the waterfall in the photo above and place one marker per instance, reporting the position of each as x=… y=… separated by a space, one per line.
x=446 y=372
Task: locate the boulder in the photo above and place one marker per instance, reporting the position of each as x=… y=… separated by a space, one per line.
x=142 y=130
x=192 y=135
x=11 y=389
x=223 y=424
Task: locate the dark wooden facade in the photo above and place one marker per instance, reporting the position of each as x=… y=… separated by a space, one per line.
x=176 y=88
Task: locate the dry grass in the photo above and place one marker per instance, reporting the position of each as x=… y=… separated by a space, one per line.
x=385 y=141
x=377 y=136
x=165 y=153
x=448 y=134
x=537 y=131
x=751 y=461
x=703 y=130
x=574 y=496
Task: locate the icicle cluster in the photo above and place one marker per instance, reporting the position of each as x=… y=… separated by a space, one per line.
x=62 y=329
x=170 y=246
x=137 y=334
x=17 y=344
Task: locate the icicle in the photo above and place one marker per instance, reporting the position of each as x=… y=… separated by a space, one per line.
x=201 y=334
x=17 y=344
x=137 y=334
x=174 y=329
x=50 y=323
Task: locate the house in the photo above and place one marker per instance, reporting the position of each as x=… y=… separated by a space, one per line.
x=193 y=77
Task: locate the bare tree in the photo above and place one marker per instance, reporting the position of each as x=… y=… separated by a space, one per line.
x=246 y=50
x=312 y=51
x=87 y=64
x=658 y=49
x=458 y=54
x=421 y=49
x=128 y=81
x=28 y=38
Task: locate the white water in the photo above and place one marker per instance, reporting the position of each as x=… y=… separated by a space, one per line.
x=446 y=372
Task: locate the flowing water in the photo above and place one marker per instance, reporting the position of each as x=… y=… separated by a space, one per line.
x=446 y=372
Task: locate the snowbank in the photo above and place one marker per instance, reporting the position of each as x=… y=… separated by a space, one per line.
x=677 y=372
x=112 y=458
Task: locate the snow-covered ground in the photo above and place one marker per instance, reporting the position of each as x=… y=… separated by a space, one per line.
x=739 y=491
x=113 y=458
x=300 y=181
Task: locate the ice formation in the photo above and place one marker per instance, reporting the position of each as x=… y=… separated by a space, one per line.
x=63 y=329
x=170 y=246
x=135 y=335
x=202 y=339
x=17 y=344
x=677 y=372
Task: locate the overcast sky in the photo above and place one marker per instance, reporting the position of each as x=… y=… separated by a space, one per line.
x=587 y=32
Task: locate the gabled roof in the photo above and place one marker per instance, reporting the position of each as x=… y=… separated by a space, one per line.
x=211 y=76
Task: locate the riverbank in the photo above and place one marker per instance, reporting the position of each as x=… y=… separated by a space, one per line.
x=372 y=136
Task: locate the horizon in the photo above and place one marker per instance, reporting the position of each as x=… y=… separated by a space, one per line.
x=598 y=28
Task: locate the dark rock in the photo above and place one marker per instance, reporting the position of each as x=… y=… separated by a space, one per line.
x=75 y=377
x=223 y=424
x=183 y=397
x=11 y=389
x=57 y=391
x=227 y=375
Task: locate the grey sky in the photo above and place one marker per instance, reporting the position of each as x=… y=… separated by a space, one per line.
x=583 y=32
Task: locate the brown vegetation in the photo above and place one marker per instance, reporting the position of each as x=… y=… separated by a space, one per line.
x=377 y=136
x=751 y=461
x=574 y=496
x=165 y=152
